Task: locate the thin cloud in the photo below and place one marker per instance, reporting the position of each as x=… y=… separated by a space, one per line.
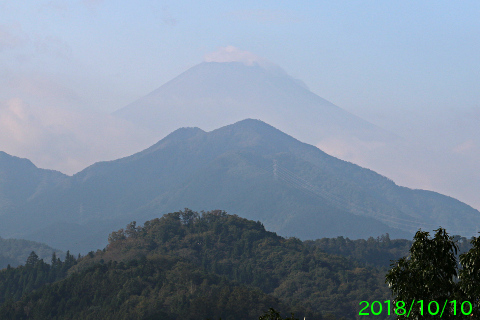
x=266 y=16
x=350 y=149
x=92 y=3
x=233 y=54
x=475 y=113
x=56 y=5
x=18 y=125
x=11 y=37
x=42 y=89
x=465 y=147
x=65 y=140
x=53 y=46
x=167 y=17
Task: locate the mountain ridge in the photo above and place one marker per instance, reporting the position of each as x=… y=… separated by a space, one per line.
x=244 y=168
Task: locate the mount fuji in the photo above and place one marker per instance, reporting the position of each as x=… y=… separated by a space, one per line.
x=213 y=94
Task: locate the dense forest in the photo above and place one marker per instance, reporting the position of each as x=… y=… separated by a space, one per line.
x=202 y=266
x=16 y=282
x=378 y=252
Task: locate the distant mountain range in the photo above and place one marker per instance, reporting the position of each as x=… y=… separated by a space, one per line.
x=249 y=168
x=214 y=94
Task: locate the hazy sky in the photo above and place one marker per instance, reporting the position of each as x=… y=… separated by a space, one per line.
x=374 y=58
x=412 y=67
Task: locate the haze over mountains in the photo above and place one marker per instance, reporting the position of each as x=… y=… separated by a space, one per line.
x=248 y=168
x=245 y=168
x=213 y=94
x=232 y=86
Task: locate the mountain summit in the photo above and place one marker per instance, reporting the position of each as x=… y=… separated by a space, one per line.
x=213 y=94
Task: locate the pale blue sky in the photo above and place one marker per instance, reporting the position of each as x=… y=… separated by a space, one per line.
x=412 y=67
x=369 y=57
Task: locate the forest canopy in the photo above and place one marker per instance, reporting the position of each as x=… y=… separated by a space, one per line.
x=203 y=265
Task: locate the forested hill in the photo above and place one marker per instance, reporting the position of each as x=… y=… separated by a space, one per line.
x=14 y=252
x=198 y=266
x=305 y=278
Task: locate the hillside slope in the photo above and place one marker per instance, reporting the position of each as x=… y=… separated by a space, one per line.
x=248 y=168
x=197 y=266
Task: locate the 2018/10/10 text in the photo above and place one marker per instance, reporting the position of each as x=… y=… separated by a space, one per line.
x=433 y=308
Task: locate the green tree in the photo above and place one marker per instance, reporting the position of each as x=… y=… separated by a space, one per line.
x=470 y=275
x=32 y=259
x=272 y=314
x=430 y=274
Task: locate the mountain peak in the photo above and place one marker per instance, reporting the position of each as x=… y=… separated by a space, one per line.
x=232 y=85
x=250 y=168
x=251 y=126
x=185 y=133
x=233 y=54
x=249 y=123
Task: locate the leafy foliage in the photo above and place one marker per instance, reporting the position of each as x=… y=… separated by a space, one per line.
x=272 y=314
x=371 y=252
x=193 y=265
x=470 y=275
x=430 y=273
x=304 y=277
x=157 y=287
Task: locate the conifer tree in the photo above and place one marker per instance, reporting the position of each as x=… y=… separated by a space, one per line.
x=32 y=259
